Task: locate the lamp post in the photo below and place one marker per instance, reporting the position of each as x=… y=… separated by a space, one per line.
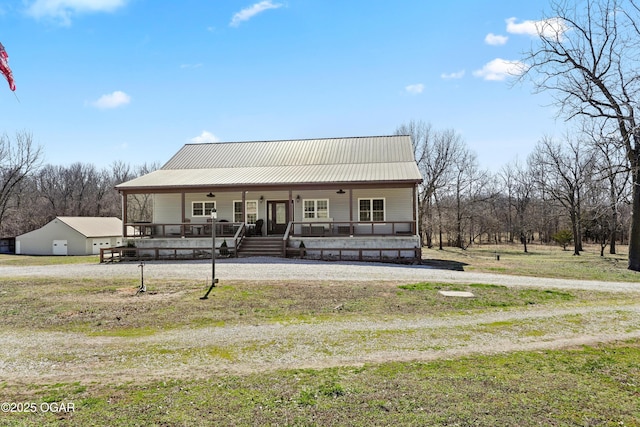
x=214 y=216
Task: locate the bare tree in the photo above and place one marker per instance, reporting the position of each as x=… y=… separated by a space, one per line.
x=567 y=168
x=520 y=183
x=434 y=152
x=73 y=190
x=588 y=56
x=18 y=159
x=613 y=173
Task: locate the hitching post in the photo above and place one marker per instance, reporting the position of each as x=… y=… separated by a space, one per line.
x=214 y=216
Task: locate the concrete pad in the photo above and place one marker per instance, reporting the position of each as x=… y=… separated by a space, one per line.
x=461 y=294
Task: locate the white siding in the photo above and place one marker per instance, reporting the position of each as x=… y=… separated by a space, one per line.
x=166 y=208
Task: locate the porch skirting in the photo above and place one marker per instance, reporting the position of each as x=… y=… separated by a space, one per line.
x=404 y=249
x=400 y=249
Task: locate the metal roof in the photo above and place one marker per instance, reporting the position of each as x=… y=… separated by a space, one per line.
x=90 y=226
x=309 y=161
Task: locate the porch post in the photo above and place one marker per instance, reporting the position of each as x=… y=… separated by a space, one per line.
x=291 y=207
x=123 y=198
x=415 y=208
x=351 y=212
x=244 y=202
x=182 y=198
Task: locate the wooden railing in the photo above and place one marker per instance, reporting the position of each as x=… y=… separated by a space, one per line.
x=181 y=229
x=319 y=228
x=127 y=253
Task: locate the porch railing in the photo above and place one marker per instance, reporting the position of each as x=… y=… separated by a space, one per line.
x=181 y=229
x=319 y=228
x=126 y=253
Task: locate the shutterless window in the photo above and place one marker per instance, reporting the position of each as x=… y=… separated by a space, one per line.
x=202 y=208
x=314 y=209
x=251 y=211
x=371 y=209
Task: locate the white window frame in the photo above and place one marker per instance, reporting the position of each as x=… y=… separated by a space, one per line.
x=205 y=212
x=371 y=200
x=315 y=209
x=246 y=211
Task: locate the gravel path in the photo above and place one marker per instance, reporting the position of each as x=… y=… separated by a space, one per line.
x=265 y=268
x=199 y=352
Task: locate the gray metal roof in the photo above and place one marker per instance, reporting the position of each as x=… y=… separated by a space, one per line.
x=310 y=161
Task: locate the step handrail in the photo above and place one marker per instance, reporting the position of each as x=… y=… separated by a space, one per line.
x=285 y=238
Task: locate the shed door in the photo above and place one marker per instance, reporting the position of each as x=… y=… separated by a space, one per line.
x=60 y=247
x=99 y=244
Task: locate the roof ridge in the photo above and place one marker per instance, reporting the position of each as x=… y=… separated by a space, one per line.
x=293 y=139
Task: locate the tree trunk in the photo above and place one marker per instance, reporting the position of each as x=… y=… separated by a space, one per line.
x=576 y=235
x=634 y=237
x=613 y=226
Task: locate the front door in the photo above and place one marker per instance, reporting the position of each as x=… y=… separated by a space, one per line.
x=277 y=216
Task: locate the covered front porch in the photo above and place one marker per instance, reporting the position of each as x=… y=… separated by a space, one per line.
x=358 y=222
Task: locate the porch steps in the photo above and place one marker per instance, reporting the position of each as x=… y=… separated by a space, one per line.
x=261 y=246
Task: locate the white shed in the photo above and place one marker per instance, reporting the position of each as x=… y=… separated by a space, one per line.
x=67 y=235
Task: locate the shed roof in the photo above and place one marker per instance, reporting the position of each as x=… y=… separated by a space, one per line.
x=308 y=161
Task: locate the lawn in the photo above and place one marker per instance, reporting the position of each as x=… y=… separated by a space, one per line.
x=590 y=386
x=539 y=261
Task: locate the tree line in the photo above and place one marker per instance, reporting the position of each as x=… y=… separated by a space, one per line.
x=33 y=193
x=577 y=186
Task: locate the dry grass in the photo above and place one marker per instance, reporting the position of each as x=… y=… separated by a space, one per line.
x=112 y=308
x=540 y=261
x=596 y=385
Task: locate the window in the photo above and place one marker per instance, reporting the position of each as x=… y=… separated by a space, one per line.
x=251 y=211
x=202 y=208
x=371 y=209
x=316 y=209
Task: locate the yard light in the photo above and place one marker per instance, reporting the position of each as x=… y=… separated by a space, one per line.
x=214 y=216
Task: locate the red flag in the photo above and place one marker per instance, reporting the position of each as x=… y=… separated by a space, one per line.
x=4 y=67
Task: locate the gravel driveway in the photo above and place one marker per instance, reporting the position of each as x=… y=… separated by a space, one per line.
x=265 y=268
x=66 y=356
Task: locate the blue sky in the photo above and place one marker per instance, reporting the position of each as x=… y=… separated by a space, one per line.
x=133 y=80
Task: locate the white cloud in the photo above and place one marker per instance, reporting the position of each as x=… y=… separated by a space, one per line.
x=495 y=39
x=251 y=11
x=198 y=65
x=112 y=100
x=63 y=10
x=500 y=69
x=451 y=76
x=552 y=27
x=205 y=137
x=414 y=89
